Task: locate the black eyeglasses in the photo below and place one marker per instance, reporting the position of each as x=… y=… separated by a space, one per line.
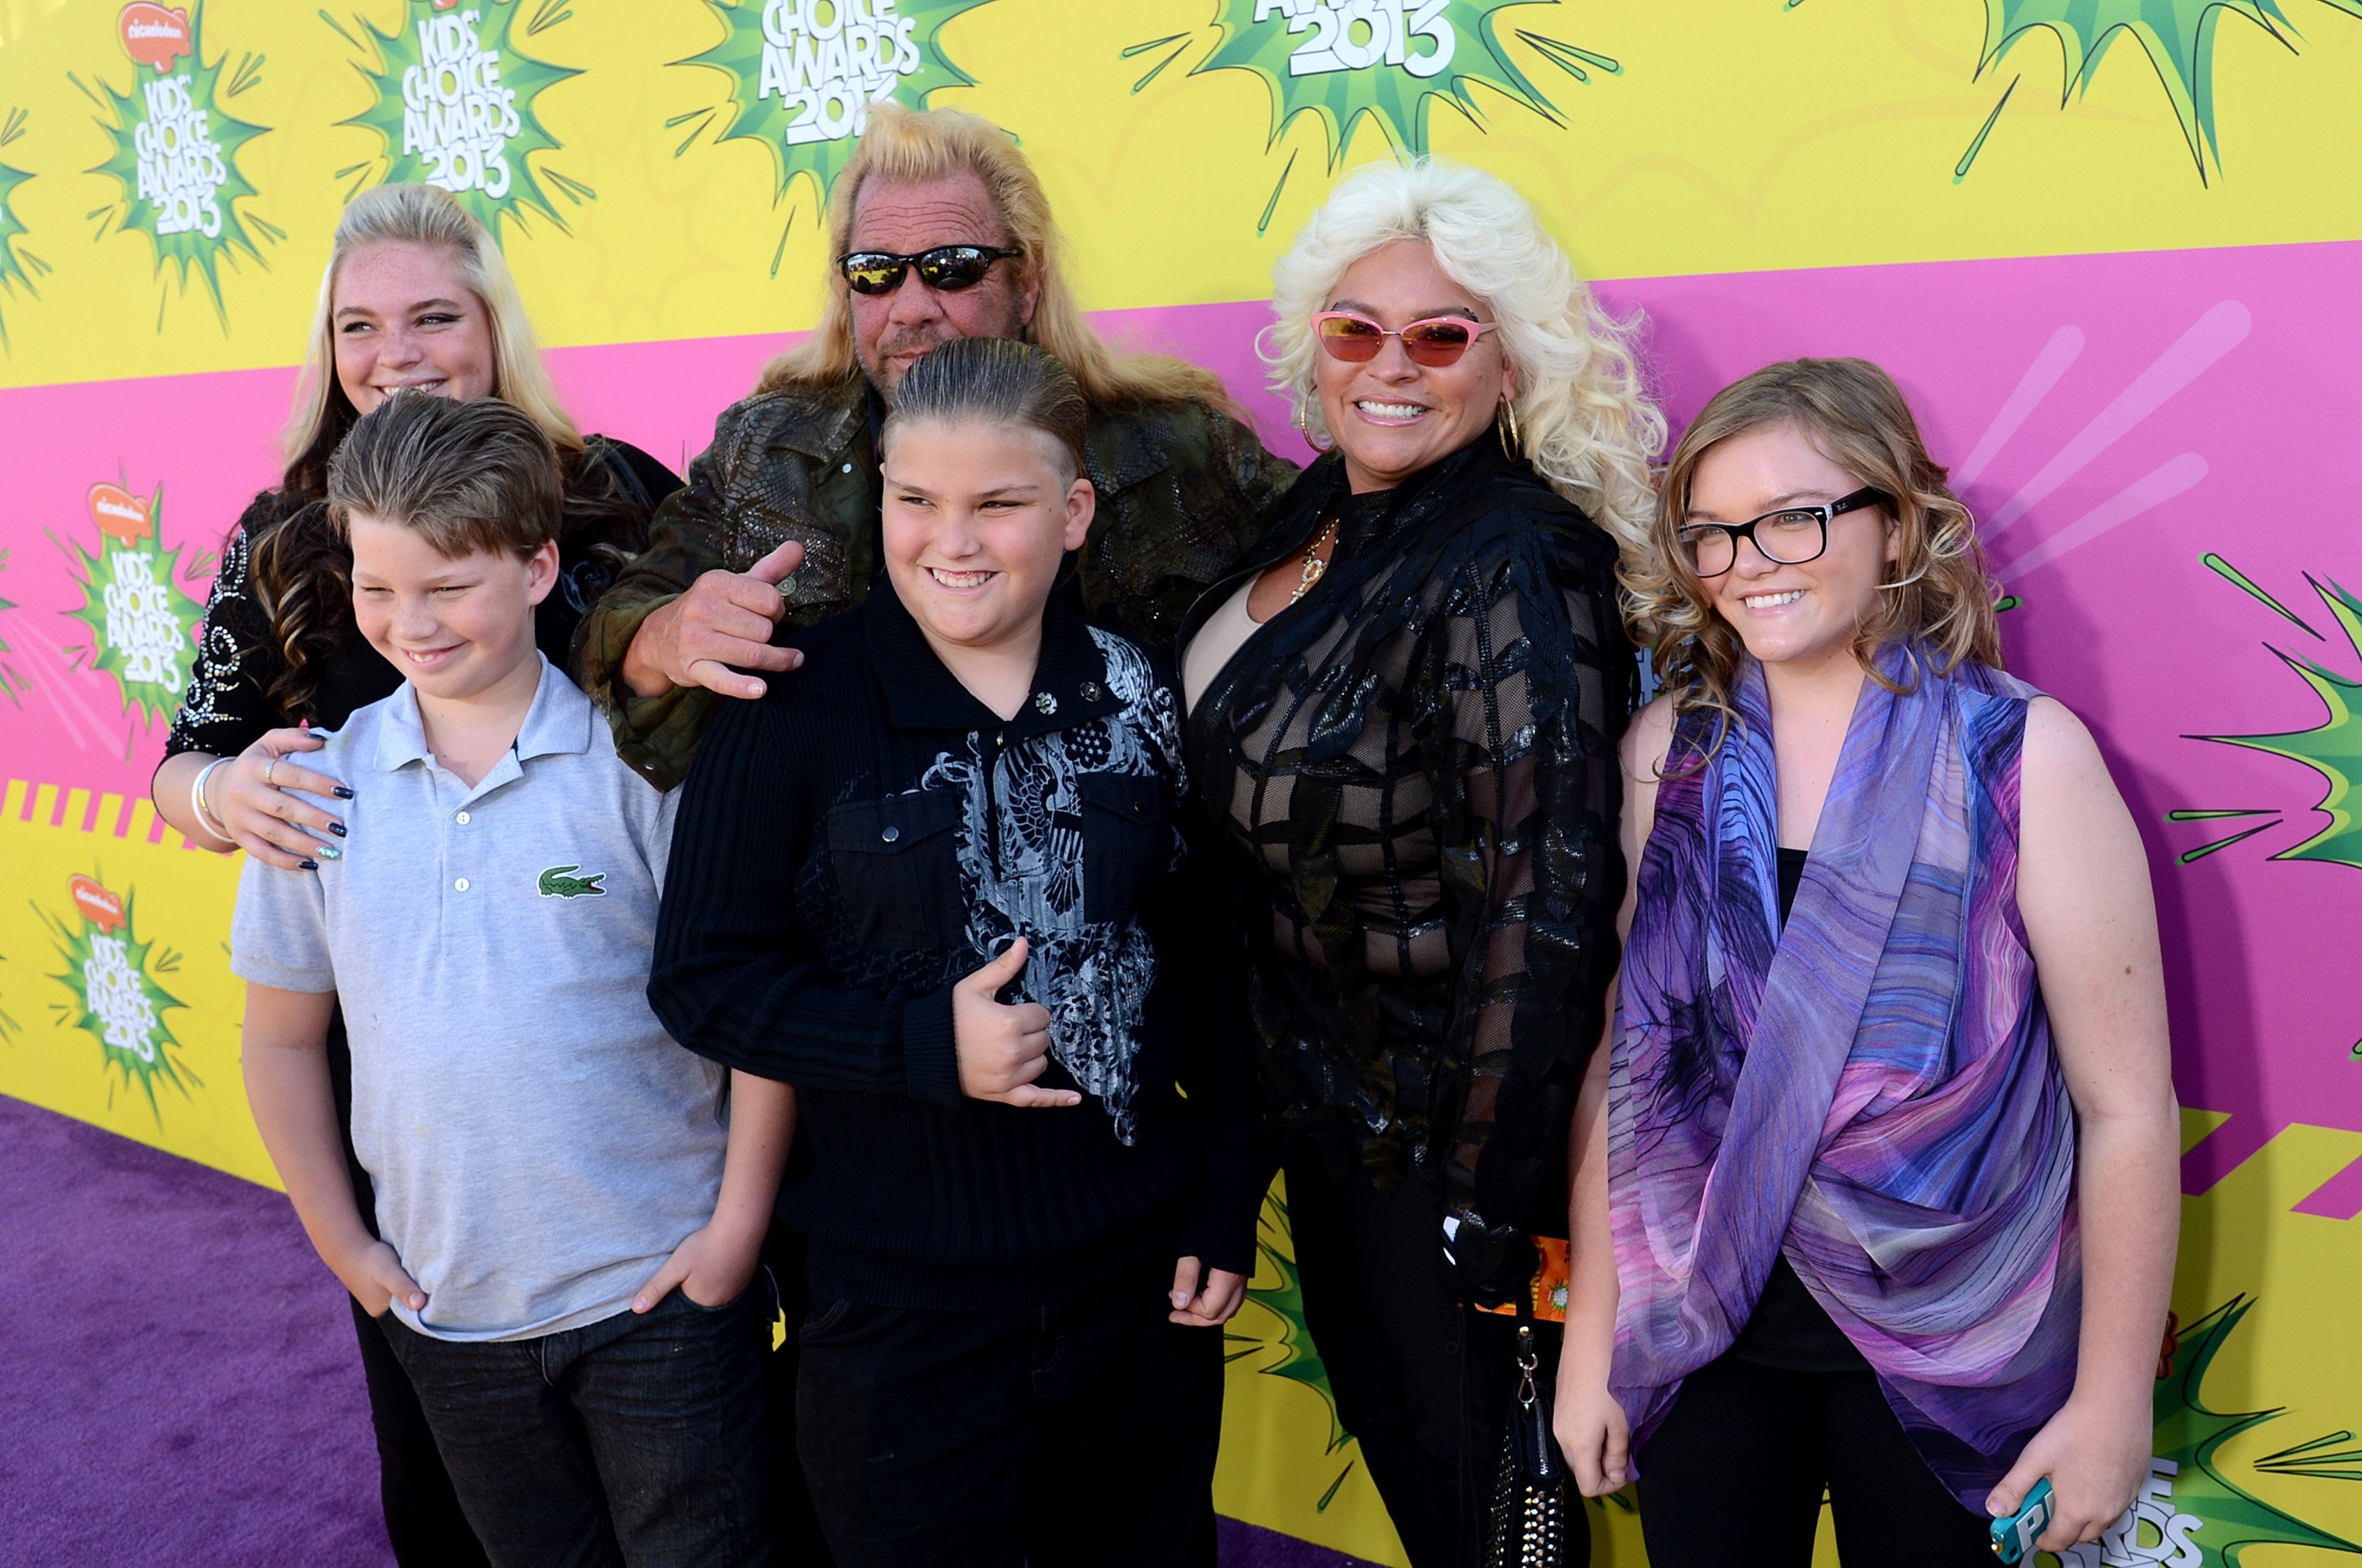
x=949 y=267
x=1790 y=536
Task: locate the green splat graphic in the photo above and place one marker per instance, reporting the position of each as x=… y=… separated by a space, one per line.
x=13 y=684
x=2332 y=748
x=803 y=74
x=116 y=997
x=1388 y=60
x=183 y=191
x=2177 y=36
x=2192 y=1436
x=1300 y=1360
x=455 y=107
x=17 y=265
x=142 y=625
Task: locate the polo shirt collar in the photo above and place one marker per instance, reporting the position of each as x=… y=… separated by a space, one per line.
x=1070 y=680
x=559 y=721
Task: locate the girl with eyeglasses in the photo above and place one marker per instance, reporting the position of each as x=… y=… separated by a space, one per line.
x=1404 y=711
x=1875 y=1189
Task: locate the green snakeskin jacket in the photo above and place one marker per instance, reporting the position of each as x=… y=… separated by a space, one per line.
x=1183 y=493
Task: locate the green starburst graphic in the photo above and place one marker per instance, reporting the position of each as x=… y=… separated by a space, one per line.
x=2190 y=1436
x=142 y=625
x=803 y=72
x=13 y=684
x=456 y=105
x=110 y=975
x=2332 y=748
x=176 y=147
x=1300 y=1360
x=17 y=265
x=2177 y=36
x=1389 y=61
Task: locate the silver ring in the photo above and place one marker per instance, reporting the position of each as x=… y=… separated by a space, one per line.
x=267 y=768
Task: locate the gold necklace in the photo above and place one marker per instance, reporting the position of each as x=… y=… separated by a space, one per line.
x=1314 y=566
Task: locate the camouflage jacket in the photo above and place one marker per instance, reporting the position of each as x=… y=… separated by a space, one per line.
x=1183 y=493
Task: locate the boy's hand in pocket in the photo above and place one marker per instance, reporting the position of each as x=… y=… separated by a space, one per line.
x=1003 y=1049
x=376 y=1279
x=711 y=1268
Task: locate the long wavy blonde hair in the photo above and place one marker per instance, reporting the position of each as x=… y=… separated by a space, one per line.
x=1582 y=414
x=429 y=215
x=298 y=566
x=1939 y=592
x=914 y=145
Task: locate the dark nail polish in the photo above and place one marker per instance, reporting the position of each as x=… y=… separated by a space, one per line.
x=310 y=864
x=337 y=828
x=342 y=793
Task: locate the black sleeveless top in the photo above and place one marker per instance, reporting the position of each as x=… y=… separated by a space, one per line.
x=1789 y=1330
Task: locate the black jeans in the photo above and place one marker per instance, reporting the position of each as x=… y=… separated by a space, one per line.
x=1736 y=1472
x=423 y=1519
x=635 y=1439
x=1076 y=1435
x=1421 y=1381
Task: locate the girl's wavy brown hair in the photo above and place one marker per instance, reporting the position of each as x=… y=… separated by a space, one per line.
x=1939 y=592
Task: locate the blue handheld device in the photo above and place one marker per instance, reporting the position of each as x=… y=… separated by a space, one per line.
x=2013 y=1538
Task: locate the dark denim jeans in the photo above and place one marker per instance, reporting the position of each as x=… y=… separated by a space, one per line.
x=1077 y=1435
x=636 y=1440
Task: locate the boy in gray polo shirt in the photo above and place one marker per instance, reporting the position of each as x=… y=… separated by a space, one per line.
x=569 y=1222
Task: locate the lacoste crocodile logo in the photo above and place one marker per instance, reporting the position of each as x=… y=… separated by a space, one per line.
x=559 y=882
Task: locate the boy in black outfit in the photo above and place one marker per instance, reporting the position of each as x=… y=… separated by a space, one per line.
x=935 y=882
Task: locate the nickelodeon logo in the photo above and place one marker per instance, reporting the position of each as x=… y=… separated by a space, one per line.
x=119 y=514
x=154 y=36
x=99 y=907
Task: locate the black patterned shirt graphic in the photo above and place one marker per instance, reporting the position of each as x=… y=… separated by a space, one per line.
x=1093 y=976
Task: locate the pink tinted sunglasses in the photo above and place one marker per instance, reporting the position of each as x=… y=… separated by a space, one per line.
x=1434 y=341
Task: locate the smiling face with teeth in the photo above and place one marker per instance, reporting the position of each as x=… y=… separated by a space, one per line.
x=978 y=516
x=1802 y=617
x=404 y=317
x=458 y=628
x=1391 y=417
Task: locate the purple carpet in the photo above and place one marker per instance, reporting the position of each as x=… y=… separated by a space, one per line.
x=178 y=1372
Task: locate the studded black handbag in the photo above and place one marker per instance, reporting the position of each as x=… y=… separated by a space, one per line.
x=1527 y=1525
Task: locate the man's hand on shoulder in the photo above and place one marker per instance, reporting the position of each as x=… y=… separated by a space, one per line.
x=725 y=619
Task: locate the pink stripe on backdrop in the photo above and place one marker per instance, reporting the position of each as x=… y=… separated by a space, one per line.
x=2118 y=416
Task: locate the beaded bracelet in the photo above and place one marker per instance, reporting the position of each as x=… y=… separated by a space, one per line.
x=205 y=818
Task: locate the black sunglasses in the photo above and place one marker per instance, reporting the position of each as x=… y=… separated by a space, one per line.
x=1790 y=536
x=949 y=267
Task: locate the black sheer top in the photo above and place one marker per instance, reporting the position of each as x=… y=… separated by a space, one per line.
x=1417 y=766
x=228 y=705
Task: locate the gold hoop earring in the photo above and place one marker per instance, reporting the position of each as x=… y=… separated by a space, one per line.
x=1513 y=440
x=1304 y=428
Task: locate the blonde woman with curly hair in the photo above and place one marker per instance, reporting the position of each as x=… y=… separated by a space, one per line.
x=1403 y=711
x=1875 y=1189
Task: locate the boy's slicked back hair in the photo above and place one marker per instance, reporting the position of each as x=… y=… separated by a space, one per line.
x=469 y=476
x=1000 y=380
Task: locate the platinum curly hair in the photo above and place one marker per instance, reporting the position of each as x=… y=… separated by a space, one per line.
x=1584 y=415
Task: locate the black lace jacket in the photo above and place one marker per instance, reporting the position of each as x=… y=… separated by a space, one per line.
x=228 y=705
x=1417 y=766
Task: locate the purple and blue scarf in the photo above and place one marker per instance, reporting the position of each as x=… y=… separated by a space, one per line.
x=1870 y=1090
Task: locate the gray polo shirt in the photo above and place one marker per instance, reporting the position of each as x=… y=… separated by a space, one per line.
x=537 y=1141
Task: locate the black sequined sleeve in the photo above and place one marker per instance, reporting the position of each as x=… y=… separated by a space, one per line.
x=1530 y=668
x=227 y=706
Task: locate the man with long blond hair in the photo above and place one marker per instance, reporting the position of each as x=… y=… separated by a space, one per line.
x=938 y=229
